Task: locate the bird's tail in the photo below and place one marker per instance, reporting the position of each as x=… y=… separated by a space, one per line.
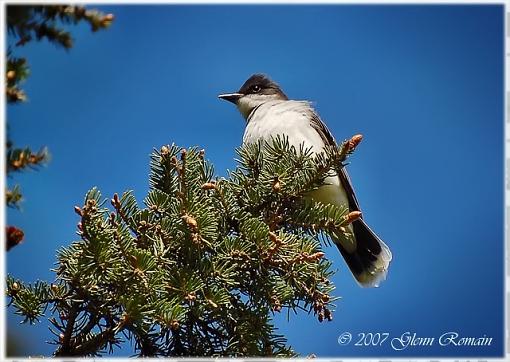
x=369 y=258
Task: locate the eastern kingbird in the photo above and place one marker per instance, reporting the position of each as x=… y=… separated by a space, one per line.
x=269 y=112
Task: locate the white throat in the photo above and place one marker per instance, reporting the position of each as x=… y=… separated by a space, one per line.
x=247 y=103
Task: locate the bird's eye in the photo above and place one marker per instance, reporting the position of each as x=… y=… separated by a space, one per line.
x=255 y=89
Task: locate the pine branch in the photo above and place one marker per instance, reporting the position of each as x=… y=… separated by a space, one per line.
x=26 y=23
x=42 y=22
x=19 y=159
x=13 y=196
x=199 y=269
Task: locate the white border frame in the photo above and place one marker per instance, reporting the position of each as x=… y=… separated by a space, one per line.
x=506 y=166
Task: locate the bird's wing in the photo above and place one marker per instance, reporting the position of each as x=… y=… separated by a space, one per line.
x=329 y=140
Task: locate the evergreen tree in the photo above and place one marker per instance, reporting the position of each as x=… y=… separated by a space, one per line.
x=203 y=265
x=25 y=24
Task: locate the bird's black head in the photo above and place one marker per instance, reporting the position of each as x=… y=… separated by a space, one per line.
x=258 y=89
x=261 y=84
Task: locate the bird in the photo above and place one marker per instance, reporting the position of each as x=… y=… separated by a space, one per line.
x=268 y=112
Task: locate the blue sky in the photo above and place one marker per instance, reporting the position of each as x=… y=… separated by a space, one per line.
x=423 y=84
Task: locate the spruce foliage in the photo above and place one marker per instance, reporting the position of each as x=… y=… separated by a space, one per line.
x=202 y=266
x=25 y=24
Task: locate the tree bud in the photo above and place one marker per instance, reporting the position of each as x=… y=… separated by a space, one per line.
x=209 y=186
x=115 y=201
x=14 y=236
x=353 y=216
x=277 y=185
x=315 y=256
x=164 y=150
x=274 y=238
x=190 y=221
x=355 y=141
x=328 y=314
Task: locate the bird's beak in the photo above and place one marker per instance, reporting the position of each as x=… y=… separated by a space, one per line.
x=231 y=97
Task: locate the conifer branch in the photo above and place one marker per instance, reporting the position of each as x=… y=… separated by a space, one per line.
x=65 y=347
x=202 y=267
x=26 y=23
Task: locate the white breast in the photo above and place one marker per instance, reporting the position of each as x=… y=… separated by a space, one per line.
x=292 y=118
